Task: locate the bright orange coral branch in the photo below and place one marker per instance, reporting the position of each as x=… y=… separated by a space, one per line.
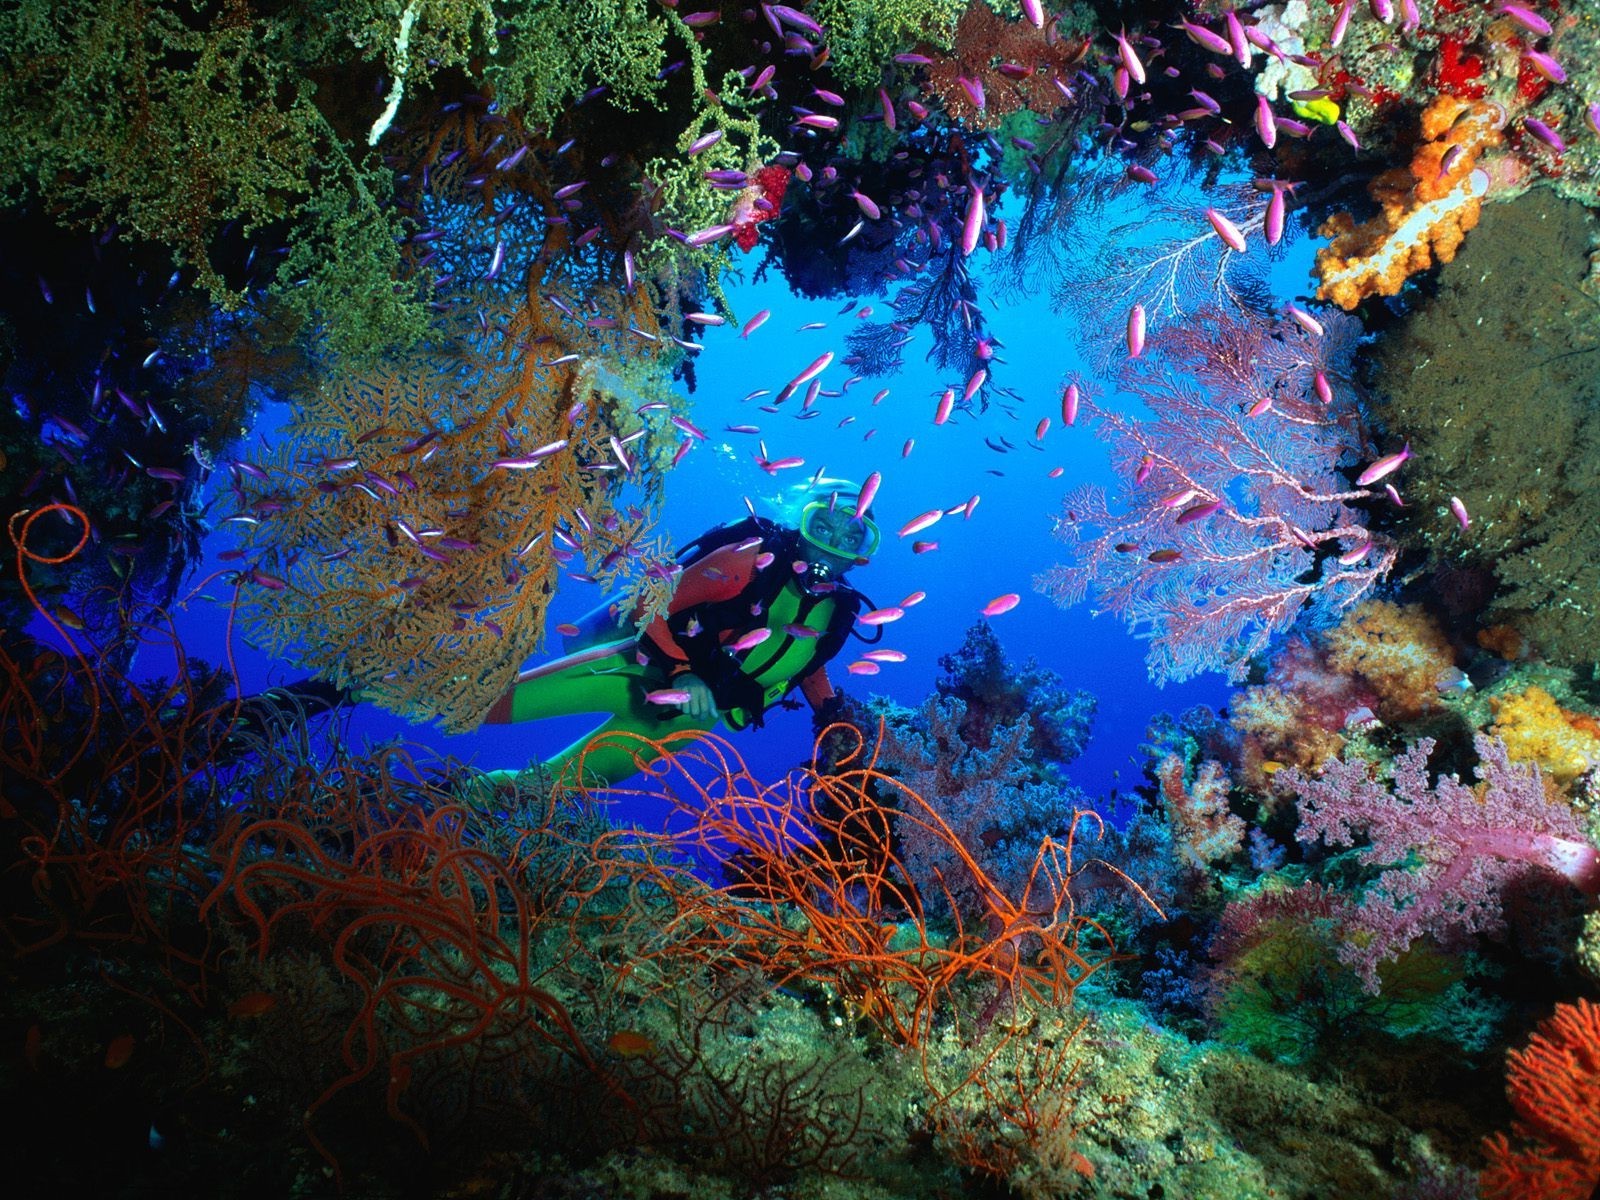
x=822 y=898
x=1553 y=1152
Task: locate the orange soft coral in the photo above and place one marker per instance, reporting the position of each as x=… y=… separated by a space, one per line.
x=1536 y=729
x=1427 y=207
x=1398 y=651
x=1554 y=1086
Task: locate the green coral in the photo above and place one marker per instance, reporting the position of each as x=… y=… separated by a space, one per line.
x=865 y=34
x=553 y=52
x=174 y=122
x=1509 y=332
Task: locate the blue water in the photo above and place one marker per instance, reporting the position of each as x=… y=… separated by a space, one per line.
x=999 y=549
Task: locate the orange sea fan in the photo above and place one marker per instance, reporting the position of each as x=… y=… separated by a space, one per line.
x=1553 y=1152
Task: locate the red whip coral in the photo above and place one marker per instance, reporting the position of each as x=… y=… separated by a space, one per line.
x=1554 y=1085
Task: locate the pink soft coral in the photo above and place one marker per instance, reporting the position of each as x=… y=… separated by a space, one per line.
x=1467 y=849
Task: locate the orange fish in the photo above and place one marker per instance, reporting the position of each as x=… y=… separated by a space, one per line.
x=252 y=1005
x=119 y=1051
x=630 y=1044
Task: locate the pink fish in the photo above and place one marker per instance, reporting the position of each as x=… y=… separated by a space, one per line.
x=755 y=323
x=1545 y=65
x=1323 y=388
x=905 y=450
x=924 y=547
x=1198 y=512
x=531 y=460
x=1386 y=465
x=1001 y=604
x=751 y=640
x=1070 y=399
x=972 y=227
x=1526 y=17
x=1276 y=212
x=946 y=403
x=1341 y=24
x=913 y=598
x=1305 y=320
x=1042 y=428
x=862 y=667
x=668 y=696
x=920 y=522
x=881 y=616
x=1130 y=59
x=1226 y=230
x=1136 y=331
x=868 y=493
x=1266 y=123
x=817 y=367
x=1205 y=38
x=894 y=656
x=704 y=142
x=1035 y=13
x=1459 y=511
x=1356 y=553
x=974 y=383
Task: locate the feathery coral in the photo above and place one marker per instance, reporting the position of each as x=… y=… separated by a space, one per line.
x=1428 y=207
x=392 y=555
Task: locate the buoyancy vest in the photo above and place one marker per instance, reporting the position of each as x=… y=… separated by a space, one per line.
x=807 y=626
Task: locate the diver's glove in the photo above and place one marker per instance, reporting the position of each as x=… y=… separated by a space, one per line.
x=733 y=689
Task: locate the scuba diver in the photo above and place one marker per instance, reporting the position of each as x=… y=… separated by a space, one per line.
x=759 y=609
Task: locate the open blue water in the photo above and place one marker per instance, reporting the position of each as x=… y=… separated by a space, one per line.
x=999 y=549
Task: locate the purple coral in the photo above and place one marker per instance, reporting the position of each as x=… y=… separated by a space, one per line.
x=1449 y=853
x=1233 y=515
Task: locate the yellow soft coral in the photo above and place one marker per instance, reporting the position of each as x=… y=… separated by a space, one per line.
x=1279 y=732
x=1427 y=207
x=1536 y=729
x=1399 y=651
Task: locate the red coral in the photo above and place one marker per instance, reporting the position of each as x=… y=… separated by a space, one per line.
x=771 y=183
x=1554 y=1085
x=1458 y=70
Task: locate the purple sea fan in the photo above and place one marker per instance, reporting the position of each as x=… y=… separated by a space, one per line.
x=1459 y=851
x=1232 y=516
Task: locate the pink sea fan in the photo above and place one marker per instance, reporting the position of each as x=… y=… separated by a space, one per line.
x=1449 y=853
x=1228 y=525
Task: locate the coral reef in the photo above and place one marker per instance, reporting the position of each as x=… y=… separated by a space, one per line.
x=1563 y=744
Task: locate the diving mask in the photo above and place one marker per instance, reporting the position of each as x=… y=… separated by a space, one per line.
x=832 y=527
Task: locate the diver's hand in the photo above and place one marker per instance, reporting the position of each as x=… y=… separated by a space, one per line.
x=701 y=705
